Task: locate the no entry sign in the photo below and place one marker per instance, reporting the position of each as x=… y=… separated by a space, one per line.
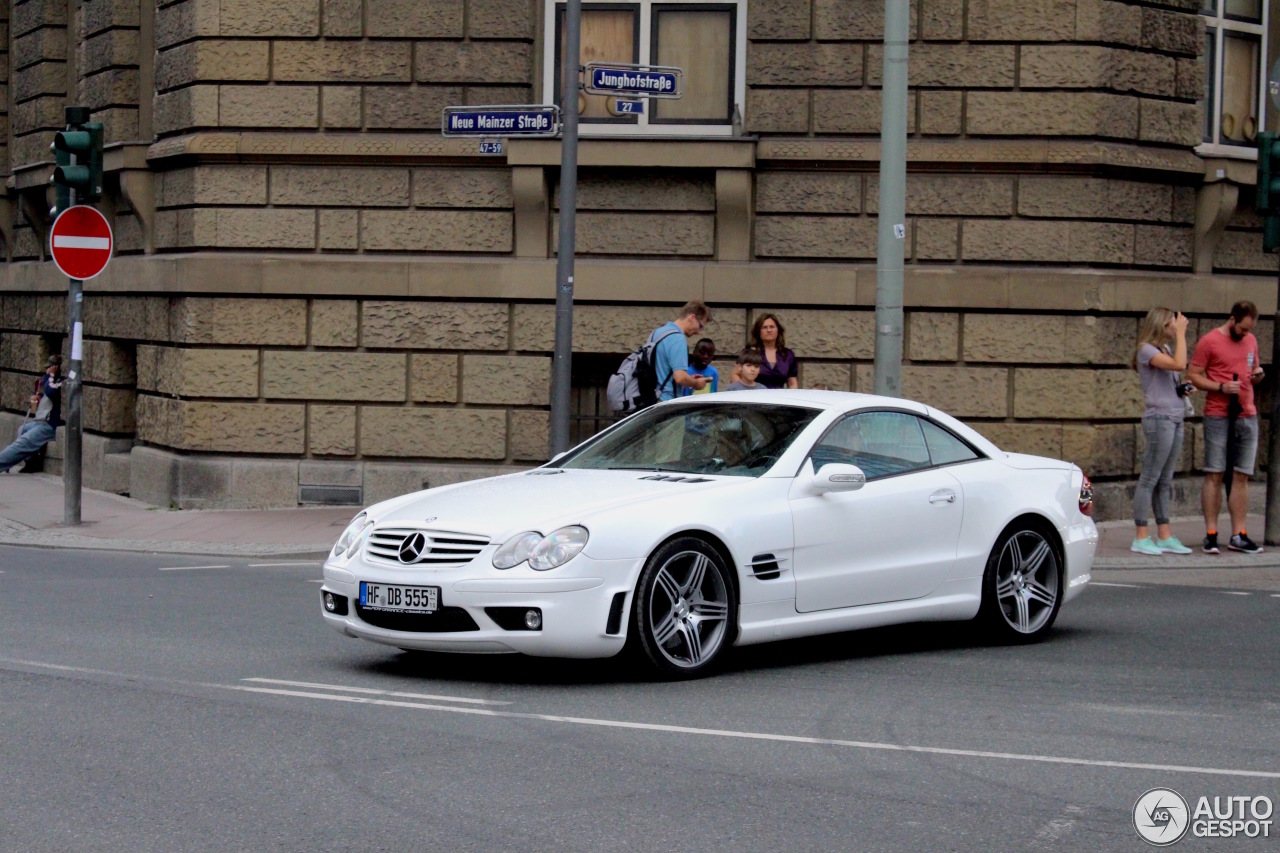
x=80 y=242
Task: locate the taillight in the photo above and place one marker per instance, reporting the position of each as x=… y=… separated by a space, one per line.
x=1086 y=497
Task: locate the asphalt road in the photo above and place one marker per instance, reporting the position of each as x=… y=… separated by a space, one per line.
x=210 y=709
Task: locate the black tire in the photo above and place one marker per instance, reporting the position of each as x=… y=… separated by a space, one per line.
x=1024 y=570
x=684 y=610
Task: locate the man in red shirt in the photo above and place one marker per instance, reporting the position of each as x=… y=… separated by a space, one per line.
x=1225 y=364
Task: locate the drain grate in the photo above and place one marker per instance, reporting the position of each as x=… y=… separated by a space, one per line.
x=331 y=495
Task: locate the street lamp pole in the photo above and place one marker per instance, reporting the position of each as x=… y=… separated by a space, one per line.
x=891 y=242
x=562 y=363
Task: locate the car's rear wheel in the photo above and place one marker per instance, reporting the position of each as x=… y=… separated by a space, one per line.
x=1022 y=586
x=682 y=608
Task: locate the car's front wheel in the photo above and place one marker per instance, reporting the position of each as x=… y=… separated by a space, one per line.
x=683 y=608
x=1022 y=586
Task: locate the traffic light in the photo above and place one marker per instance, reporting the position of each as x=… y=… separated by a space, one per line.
x=1267 y=200
x=78 y=152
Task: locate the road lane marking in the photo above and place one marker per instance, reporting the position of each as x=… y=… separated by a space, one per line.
x=1229 y=592
x=294 y=563
x=764 y=736
x=1125 y=585
x=189 y=568
x=1160 y=712
x=374 y=692
x=315 y=580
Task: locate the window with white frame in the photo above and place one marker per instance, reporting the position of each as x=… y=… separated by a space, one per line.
x=1235 y=43
x=704 y=38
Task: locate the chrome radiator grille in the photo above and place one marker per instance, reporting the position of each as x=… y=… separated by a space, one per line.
x=412 y=546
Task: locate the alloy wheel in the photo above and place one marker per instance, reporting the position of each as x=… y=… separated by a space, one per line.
x=1027 y=581
x=688 y=609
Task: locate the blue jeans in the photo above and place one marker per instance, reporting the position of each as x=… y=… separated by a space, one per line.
x=32 y=436
x=1164 y=446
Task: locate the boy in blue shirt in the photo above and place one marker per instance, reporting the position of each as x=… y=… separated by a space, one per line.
x=700 y=365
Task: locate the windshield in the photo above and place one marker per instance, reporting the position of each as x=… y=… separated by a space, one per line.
x=738 y=439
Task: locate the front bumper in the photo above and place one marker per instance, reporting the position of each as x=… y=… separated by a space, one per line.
x=575 y=601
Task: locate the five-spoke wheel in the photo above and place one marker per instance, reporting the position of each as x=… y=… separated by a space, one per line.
x=1022 y=588
x=683 y=607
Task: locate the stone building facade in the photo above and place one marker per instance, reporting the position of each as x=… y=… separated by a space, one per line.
x=318 y=297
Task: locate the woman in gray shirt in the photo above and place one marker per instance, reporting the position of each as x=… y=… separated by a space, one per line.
x=1162 y=425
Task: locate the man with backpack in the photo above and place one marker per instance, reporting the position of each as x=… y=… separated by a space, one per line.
x=651 y=373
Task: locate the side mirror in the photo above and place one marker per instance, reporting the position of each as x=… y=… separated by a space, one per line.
x=837 y=477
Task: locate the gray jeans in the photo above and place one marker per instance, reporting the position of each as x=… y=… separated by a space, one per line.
x=1164 y=446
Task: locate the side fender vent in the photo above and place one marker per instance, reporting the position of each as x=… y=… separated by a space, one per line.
x=765 y=567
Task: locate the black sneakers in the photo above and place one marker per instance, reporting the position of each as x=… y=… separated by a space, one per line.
x=1242 y=542
x=1210 y=545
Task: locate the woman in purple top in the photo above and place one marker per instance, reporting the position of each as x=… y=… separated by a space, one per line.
x=777 y=363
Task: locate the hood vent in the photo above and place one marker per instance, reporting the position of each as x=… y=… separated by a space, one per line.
x=765 y=567
x=676 y=478
x=544 y=472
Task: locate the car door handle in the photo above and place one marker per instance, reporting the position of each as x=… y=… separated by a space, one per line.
x=942 y=498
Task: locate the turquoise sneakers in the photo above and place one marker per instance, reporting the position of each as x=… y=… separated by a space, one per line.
x=1171 y=546
x=1146 y=546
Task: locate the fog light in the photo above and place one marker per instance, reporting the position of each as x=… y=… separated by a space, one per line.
x=329 y=603
x=533 y=620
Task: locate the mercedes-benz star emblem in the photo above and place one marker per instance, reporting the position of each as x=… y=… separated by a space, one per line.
x=412 y=547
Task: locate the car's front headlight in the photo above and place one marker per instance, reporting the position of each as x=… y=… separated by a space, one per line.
x=516 y=550
x=353 y=537
x=558 y=548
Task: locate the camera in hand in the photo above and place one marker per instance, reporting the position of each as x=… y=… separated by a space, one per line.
x=1185 y=388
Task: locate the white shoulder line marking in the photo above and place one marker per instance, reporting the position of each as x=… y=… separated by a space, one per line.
x=292 y=563
x=761 y=736
x=1125 y=585
x=189 y=568
x=375 y=692
x=1231 y=592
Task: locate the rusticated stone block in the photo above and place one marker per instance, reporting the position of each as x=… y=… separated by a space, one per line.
x=1055 y=242
x=1102 y=198
x=1100 y=450
x=779 y=19
x=29 y=83
x=96 y=17
x=1022 y=20
x=500 y=19
x=107 y=363
x=1101 y=340
x=433 y=378
x=1169 y=121
x=815 y=237
x=1076 y=394
x=690 y=234
x=340 y=186
x=342 y=61
x=434 y=325
x=1091 y=66
x=950 y=195
x=109 y=410
x=1161 y=246
x=1034 y=439
x=111 y=48
x=933 y=337
x=777 y=111
x=238 y=321
x=1242 y=250
x=355 y=376
x=28 y=352
x=37 y=13
x=1052 y=114
x=942 y=20
x=1101 y=242
x=268 y=106
x=964 y=392
x=437 y=19
x=1018 y=338
x=180 y=22
x=331 y=430
x=530 y=435
x=853 y=111
x=186 y=109
x=852 y=20
x=339 y=230
x=263 y=483
x=966 y=65
x=1107 y=21
x=937 y=239
x=16 y=390
x=453 y=187
x=334 y=323
x=198 y=372
x=240 y=18
x=808 y=192
x=472 y=62
x=806 y=64
x=617 y=328
x=607 y=190
x=433 y=433
x=1190 y=79
x=110 y=87
x=267 y=228
x=214 y=184
x=341 y=19
x=941 y=113
x=1173 y=32
x=512 y=380
x=222 y=427
x=821 y=375
x=398 y=108
x=485 y=95
x=341 y=107
x=127 y=317
x=212 y=60
x=436 y=231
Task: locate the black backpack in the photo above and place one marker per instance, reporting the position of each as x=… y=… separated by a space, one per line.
x=635 y=384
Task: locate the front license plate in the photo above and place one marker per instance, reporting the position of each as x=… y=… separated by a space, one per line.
x=399 y=599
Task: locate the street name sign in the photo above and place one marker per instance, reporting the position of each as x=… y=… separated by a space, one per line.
x=643 y=81
x=80 y=242
x=508 y=120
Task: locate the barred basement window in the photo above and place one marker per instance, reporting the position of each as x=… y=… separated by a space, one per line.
x=1235 y=42
x=705 y=38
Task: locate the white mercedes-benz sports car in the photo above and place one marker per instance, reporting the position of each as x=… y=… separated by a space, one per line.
x=718 y=520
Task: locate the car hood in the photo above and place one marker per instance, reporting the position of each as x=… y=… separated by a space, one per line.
x=537 y=500
x=1026 y=462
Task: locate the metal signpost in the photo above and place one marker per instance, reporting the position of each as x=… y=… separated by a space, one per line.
x=891 y=243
